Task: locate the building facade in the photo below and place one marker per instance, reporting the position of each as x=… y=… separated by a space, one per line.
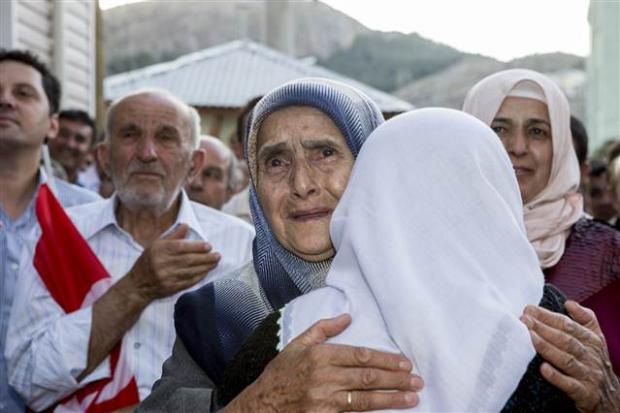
x=63 y=35
x=603 y=98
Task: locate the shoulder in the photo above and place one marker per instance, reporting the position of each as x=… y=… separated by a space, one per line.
x=590 y=231
x=241 y=284
x=211 y=219
x=214 y=320
x=70 y=195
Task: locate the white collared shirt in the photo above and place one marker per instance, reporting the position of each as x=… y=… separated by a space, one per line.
x=47 y=349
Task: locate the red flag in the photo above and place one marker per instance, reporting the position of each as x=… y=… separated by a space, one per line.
x=74 y=276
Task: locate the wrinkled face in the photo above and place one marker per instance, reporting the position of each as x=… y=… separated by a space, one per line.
x=149 y=153
x=524 y=128
x=72 y=145
x=303 y=166
x=210 y=185
x=24 y=109
x=601 y=197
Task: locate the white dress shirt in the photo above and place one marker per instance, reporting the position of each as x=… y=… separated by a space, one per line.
x=47 y=349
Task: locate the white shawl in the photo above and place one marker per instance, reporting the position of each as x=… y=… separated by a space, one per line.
x=433 y=260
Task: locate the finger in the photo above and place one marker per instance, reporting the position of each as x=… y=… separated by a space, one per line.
x=562 y=360
x=366 y=378
x=572 y=387
x=320 y=331
x=179 y=232
x=179 y=263
x=187 y=281
x=558 y=322
x=186 y=274
x=573 y=345
x=583 y=316
x=177 y=247
x=364 y=401
x=350 y=356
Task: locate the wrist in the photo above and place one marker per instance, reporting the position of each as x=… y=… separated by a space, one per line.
x=132 y=292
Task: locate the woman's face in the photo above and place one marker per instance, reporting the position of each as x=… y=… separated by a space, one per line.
x=303 y=166
x=524 y=128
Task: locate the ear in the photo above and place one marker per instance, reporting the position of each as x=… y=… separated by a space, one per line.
x=52 y=131
x=102 y=157
x=197 y=162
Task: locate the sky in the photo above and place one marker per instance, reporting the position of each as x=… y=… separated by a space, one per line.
x=504 y=29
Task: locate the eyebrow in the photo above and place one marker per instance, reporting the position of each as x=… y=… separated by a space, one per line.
x=319 y=143
x=129 y=127
x=268 y=150
x=528 y=122
x=505 y=120
x=169 y=129
x=534 y=120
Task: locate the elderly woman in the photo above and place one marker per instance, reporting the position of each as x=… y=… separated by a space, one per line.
x=581 y=257
x=302 y=143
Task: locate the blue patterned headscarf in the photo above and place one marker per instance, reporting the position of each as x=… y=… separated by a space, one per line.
x=214 y=321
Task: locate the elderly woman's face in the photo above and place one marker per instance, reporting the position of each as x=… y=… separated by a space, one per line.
x=303 y=166
x=524 y=128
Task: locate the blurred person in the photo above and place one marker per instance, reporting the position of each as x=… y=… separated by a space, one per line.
x=29 y=100
x=72 y=146
x=300 y=151
x=219 y=178
x=613 y=149
x=239 y=204
x=531 y=116
x=580 y=143
x=600 y=194
x=154 y=243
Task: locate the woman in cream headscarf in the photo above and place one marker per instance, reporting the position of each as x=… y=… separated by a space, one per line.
x=580 y=256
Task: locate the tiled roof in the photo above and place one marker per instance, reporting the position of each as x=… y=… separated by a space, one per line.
x=231 y=74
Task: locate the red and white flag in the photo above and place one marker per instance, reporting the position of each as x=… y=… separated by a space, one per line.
x=75 y=278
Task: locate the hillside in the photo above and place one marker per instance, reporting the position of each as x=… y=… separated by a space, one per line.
x=412 y=67
x=139 y=34
x=391 y=60
x=449 y=86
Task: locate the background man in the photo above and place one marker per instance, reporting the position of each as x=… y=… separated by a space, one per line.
x=219 y=178
x=76 y=134
x=153 y=242
x=29 y=100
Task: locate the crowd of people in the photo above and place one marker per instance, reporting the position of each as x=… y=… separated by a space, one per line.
x=327 y=260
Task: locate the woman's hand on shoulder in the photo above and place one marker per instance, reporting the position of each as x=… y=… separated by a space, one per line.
x=311 y=376
x=577 y=360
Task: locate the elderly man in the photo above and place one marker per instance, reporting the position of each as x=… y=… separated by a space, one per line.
x=29 y=100
x=154 y=243
x=219 y=178
x=76 y=135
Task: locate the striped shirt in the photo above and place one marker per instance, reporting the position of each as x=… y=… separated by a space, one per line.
x=13 y=238
x=47 y=349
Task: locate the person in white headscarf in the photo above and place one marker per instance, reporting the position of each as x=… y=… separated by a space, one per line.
x=581 y=257
x=442 y=281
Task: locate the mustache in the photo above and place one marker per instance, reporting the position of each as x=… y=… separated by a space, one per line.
x=149 y=168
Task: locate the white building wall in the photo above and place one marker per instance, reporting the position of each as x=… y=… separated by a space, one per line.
x=604 y=72
x=62 y=34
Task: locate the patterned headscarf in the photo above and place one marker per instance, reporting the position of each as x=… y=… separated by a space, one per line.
x=215 y=320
